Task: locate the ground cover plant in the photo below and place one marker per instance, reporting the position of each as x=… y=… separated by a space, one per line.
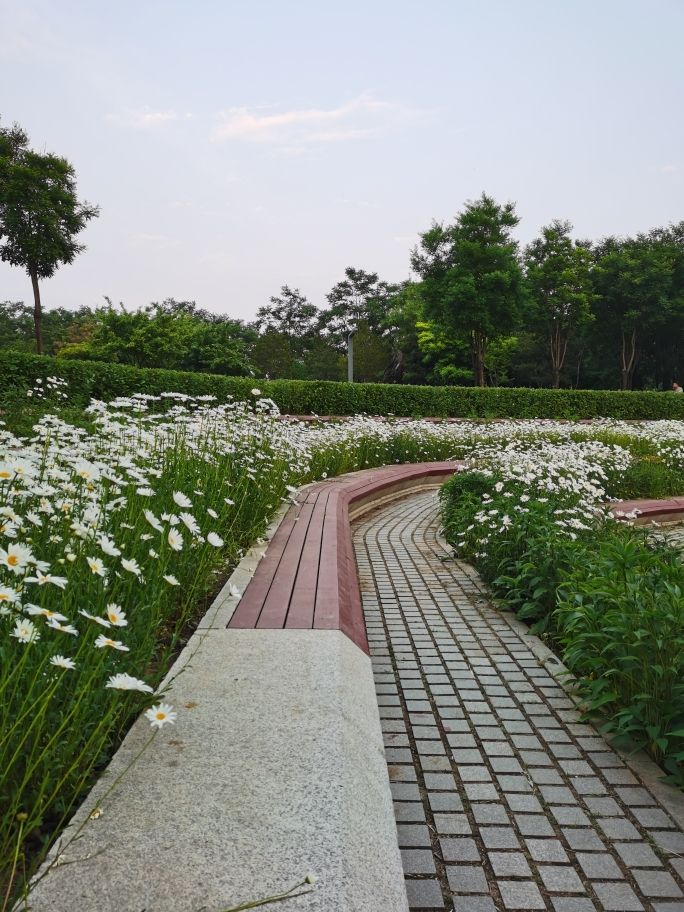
x=116 y=524
x=532 y=517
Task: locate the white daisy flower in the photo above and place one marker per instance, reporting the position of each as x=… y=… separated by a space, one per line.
x=215 y=540
x=175 y=540
x=131 y=566
x=25 y=631
x=190 y=523
x=171 y=580
x=43 y=578
x=181 y=499
x=123 y=681
x=117 y=617
x=212 y=513
x=96 y=566
x=153 y=521
x=16 y=558
x=54 y=624
x=60 y=661
x=108 y=546
x=8 y=596
x=160 y=715
x=37 y=611
x=103 y=642
x=93 y=617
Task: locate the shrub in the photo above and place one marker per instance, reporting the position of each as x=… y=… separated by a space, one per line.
x=96 y=379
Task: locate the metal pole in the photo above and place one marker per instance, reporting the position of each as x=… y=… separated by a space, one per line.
x=350 y=358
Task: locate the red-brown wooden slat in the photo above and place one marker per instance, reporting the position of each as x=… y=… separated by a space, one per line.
x=277 y=602
x=303 y=601
x=249 y=607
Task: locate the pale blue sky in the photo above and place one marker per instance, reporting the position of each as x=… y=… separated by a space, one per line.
x=237 y=146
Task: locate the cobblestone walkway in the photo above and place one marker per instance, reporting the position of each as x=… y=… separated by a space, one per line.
x=503 y=799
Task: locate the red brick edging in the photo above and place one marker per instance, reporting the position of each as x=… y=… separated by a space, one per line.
x=308 y=579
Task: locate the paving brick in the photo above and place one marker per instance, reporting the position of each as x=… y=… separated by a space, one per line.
x=499 y=838
x=474 y=904
x=424 y=894
x=411 y=836
x=460 y=849
x=418 y=861
x=439 y=781
x=509 y=864
x=572 y=904
x=467 y=879
x=560 y=879
x=405 y=791
x=409 y=812
x=599 y=866
x=546 y=850
x=618 y=828
x=520 y=894
x=490 y=813
x=637 y=854
x=618 y=897
x=448 y=824
x=657 y=884
x=534 y=825
x=445 y=801
x=401 y=773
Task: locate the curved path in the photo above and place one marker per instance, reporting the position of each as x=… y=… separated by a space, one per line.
x=503 y=798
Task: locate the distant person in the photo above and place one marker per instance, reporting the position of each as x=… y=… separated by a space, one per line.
x=676 y=388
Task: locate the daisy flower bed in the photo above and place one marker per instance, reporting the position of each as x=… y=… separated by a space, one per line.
x=532 y=517
x=113 y=537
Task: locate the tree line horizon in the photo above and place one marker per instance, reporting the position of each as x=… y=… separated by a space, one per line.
x=482 y=310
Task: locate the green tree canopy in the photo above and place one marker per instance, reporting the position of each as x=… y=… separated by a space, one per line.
x=559 y=278
x=40 y=214
x=472 y=279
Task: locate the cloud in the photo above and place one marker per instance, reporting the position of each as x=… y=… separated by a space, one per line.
x=355 y=119
x=669 y=169
x=143 y=118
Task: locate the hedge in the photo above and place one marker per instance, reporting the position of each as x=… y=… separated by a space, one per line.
x=99 y=380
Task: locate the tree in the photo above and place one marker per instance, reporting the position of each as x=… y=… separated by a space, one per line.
x=40 y=215
x=559 y=278
x=360 y=296
x=634 y=281
x=472 y=280
x=290 y=314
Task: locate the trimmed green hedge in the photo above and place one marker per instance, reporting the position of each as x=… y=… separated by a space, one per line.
x=96 y=379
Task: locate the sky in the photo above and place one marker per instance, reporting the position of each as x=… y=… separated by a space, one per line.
x=237 y=146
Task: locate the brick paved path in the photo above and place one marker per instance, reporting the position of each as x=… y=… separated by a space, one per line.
x=503 y=799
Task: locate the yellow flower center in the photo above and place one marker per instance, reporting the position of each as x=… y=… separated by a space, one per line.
x=160 y=716
x=12 y=560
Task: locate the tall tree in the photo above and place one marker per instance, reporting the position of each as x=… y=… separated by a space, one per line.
x=472 y=279
x=559 y=277
x=289 y=313
x=359 y=298
x=634 y=278
x=40 y=215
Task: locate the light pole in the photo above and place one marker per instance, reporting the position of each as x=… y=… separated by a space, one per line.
x=350 y=357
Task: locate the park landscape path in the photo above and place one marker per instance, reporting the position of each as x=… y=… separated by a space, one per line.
x=504 y=798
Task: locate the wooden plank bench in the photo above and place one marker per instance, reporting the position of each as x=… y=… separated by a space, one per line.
x=308 y=579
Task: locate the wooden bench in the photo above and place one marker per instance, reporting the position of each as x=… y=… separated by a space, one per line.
x=308 y=579
x=668 y=510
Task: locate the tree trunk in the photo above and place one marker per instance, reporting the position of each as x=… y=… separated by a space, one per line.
x=479 y=345
x=628 y=358
x=37 y=312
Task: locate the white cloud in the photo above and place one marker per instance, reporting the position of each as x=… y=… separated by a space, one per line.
x=143 y=118
x=669 y=169
x=354 y=119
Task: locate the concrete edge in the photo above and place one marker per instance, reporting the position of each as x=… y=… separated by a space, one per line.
x=275 y=768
